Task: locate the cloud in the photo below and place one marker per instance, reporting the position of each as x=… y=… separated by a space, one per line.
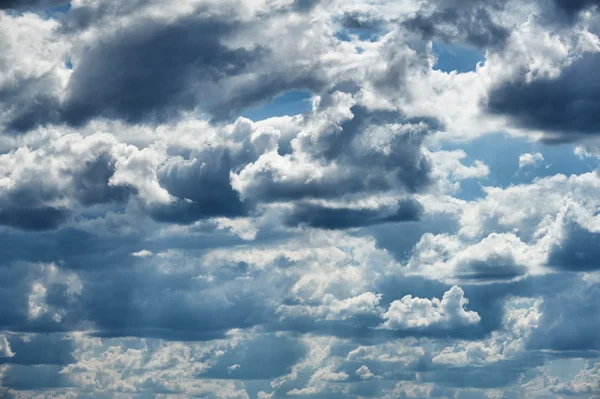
x=5 y=349
x=497 y=257
x=24 y=4
x=340 y=218
x=564 y=105
x=339 y=163
x=576 y=250
x=142 y=254
x=417 y=313
x=528 y=160
x=577 y=312
x=465 y=22
x=576 y=6
x=585 y=382
x=173 y=77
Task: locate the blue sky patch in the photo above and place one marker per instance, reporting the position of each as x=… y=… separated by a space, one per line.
x=457 y=58
x=290 y=103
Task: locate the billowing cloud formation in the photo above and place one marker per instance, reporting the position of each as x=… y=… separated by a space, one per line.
x=299 y=198
x=412 y=312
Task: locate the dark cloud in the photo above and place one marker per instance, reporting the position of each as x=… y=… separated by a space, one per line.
x=305 y=5
x=91 y=183
x=575 y=6
x=566 y=105
x=186 y=66
x=154 y=70
x=579 y=250
x=569 y=321
x=465 y=22
x=24 y=378
x=37 y=298
x=29 y=205
x=33 y=218
x=494 y=268
x=34 y=112
x=203 y=192
x=27 y=4
x=51 y=349
x=343 y=218
x=31 y=102
x=277 y=354
x=182 y=308
x=401 y=166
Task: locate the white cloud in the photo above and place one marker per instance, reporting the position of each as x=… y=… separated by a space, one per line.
x=529 y=160
x=364 y=373
x=449 y=312
x=5 y=350
x=144 y=253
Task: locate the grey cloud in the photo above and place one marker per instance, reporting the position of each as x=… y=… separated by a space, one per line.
x=25 y=4
x=305 y=5
x=187 y=66
x=577 y=251
x=38 y=298
x=33 y=112
x=91 y=184
x=50 y=349
x=276 y=354
x=203 y=192
x=342 y=218
x=30 y=203
x=462 y=22
x=565 y=106
x=575 y=6
x=401 y=166
x=494 y=268
x=570 y=320
x=179 y=61
x=20 y=377
x=33 y=218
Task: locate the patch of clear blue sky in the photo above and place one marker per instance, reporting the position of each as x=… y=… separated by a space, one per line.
x=457 y=58
x=289 y=103
x=501 y=153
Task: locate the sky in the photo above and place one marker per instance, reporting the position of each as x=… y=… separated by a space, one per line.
x=337 y=199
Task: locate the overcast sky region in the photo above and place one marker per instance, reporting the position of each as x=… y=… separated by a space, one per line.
x=303 y=199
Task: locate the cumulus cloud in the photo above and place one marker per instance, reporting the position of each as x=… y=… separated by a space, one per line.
x=449 y=312
x=528 y=160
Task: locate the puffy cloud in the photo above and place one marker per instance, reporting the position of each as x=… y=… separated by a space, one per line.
x=417 y=313
x=142 y=254
x=5 y=349
x=587 y=381
x=527 y=159
x=364 y=373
